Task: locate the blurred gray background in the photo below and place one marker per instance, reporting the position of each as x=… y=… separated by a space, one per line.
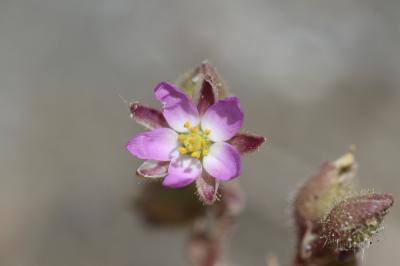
x=314 y=76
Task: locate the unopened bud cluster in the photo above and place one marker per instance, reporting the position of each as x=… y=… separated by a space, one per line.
x=333 y=223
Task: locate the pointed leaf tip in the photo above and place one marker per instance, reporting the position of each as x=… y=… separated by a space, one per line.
x=247 y=143
x=207 y=188
x=147 y=116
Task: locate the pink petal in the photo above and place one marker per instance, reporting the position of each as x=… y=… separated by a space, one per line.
x=154 y=145
x=224 y=119
x=148 y=117
x=182 y=172
x=246 y=143
x=207 y=188
x=223 y=161
x=153 y=169
x=207 y=97
x=177 y=107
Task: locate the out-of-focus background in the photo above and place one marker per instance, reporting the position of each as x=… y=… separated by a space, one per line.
x=313 y=76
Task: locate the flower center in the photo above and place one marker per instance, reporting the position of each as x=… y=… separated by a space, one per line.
x=195 y=142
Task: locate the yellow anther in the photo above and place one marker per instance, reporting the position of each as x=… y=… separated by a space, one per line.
x=195 y=141
x=182 y=150
x=194 y=138
x=181 y=138
x=190 y=148
x=186 y=143
x=196 y=154
x=194 y=129
x=203 y=143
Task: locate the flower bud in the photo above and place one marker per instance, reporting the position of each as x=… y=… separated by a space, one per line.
x=320 y=193
x=353 y=222
x=192 y=82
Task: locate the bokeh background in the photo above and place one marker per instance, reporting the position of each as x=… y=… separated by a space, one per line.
x=314 y=76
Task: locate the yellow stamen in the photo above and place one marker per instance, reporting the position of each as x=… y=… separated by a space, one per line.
x=196 y=154
x=194 y=129
x=181 y=138
x=203 y=143
x=194 y=142
x=182 y=150
x=190 y=148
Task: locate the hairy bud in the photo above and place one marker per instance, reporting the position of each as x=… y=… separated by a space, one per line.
x=353 y=222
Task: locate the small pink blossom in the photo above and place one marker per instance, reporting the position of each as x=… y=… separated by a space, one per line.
x=187 y=142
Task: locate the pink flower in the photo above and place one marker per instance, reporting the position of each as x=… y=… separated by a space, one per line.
x=188 y=142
